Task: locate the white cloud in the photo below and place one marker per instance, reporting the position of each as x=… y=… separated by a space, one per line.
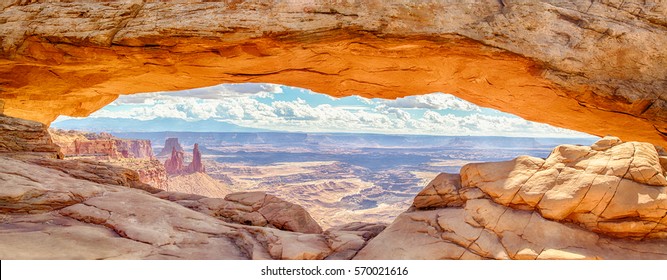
x=214 y=92
x=241 y=105
x=434 y=101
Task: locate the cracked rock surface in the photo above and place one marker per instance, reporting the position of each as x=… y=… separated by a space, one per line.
x=607 y=201
x=250 y=208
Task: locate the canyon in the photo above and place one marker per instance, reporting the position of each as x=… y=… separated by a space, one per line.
x=603 y=201
x=134 y=154
x=595 y=67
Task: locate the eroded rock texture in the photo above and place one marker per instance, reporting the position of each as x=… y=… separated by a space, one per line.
x=23 y=137
x=169 y=145
x=48 y=214
x=133 y=154
x=175 y=165
x=250 y=208
x=599 y=63
x=607 y=201
x=196 y=164
x=84 y=209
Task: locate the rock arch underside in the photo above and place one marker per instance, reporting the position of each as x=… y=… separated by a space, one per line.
x=597 y=67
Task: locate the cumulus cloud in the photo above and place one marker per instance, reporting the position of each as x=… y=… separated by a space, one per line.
x=214 y=92
x=434 y=101
x=251 y=105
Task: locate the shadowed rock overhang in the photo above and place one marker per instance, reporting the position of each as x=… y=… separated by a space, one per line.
x=596 y=67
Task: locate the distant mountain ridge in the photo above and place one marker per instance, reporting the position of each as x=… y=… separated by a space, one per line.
x=154 y=125
x=329 y=140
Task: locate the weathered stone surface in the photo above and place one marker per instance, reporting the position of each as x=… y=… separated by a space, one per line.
x=28 y=188
x=84 y=209
x=443 y=191
x=608 y=201
x=133 y=154
x=151 y=171
x=97 y=172
x=599 y=63
x=169 y=145
x=25 y=137
x=250 y=208
x=483 y=229
x=174 y=164
x=612 y=187
x=196 y=164
x=277 y=212
x=48 y=214
x=197 y=183
x=346 y=240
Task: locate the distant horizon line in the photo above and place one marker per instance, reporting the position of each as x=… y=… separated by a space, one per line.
x=354 y=133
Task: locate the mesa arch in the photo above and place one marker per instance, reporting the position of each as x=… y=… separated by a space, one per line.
x=596 y=67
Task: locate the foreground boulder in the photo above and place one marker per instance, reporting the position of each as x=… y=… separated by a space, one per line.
x=607 y=201
x=251 y=208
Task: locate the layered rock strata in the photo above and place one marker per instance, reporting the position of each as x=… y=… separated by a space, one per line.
x=169 y=145
x=26 y=138
x=196 y=164
x=175 y=165
x=48 y=214
x=251 y=208
x=601 y=63
x=133 y=154
x=607 y=201
x=103 y=145
x=83 y=209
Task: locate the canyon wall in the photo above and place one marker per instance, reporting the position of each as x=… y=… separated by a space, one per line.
x=76 y=143
x=169 y=145
x=596 y=67
x=135 y=154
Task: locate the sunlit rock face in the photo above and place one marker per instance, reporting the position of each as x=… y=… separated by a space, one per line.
x=607 y=201
x=596 y=67
x=134 y=154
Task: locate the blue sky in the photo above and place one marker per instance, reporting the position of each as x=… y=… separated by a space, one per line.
x=283 y=108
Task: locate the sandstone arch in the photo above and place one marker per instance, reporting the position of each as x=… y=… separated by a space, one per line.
x=596 y=67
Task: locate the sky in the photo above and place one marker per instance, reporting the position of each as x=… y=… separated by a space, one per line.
x=290 y=109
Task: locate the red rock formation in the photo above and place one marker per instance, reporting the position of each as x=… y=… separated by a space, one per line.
x=77 y=143
x=26 y=137
x=95 y=148
x=196 y=165
x=152 y=172
x=170 y=144
x=603 y=67
x=174 y=165
x=134 y=148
